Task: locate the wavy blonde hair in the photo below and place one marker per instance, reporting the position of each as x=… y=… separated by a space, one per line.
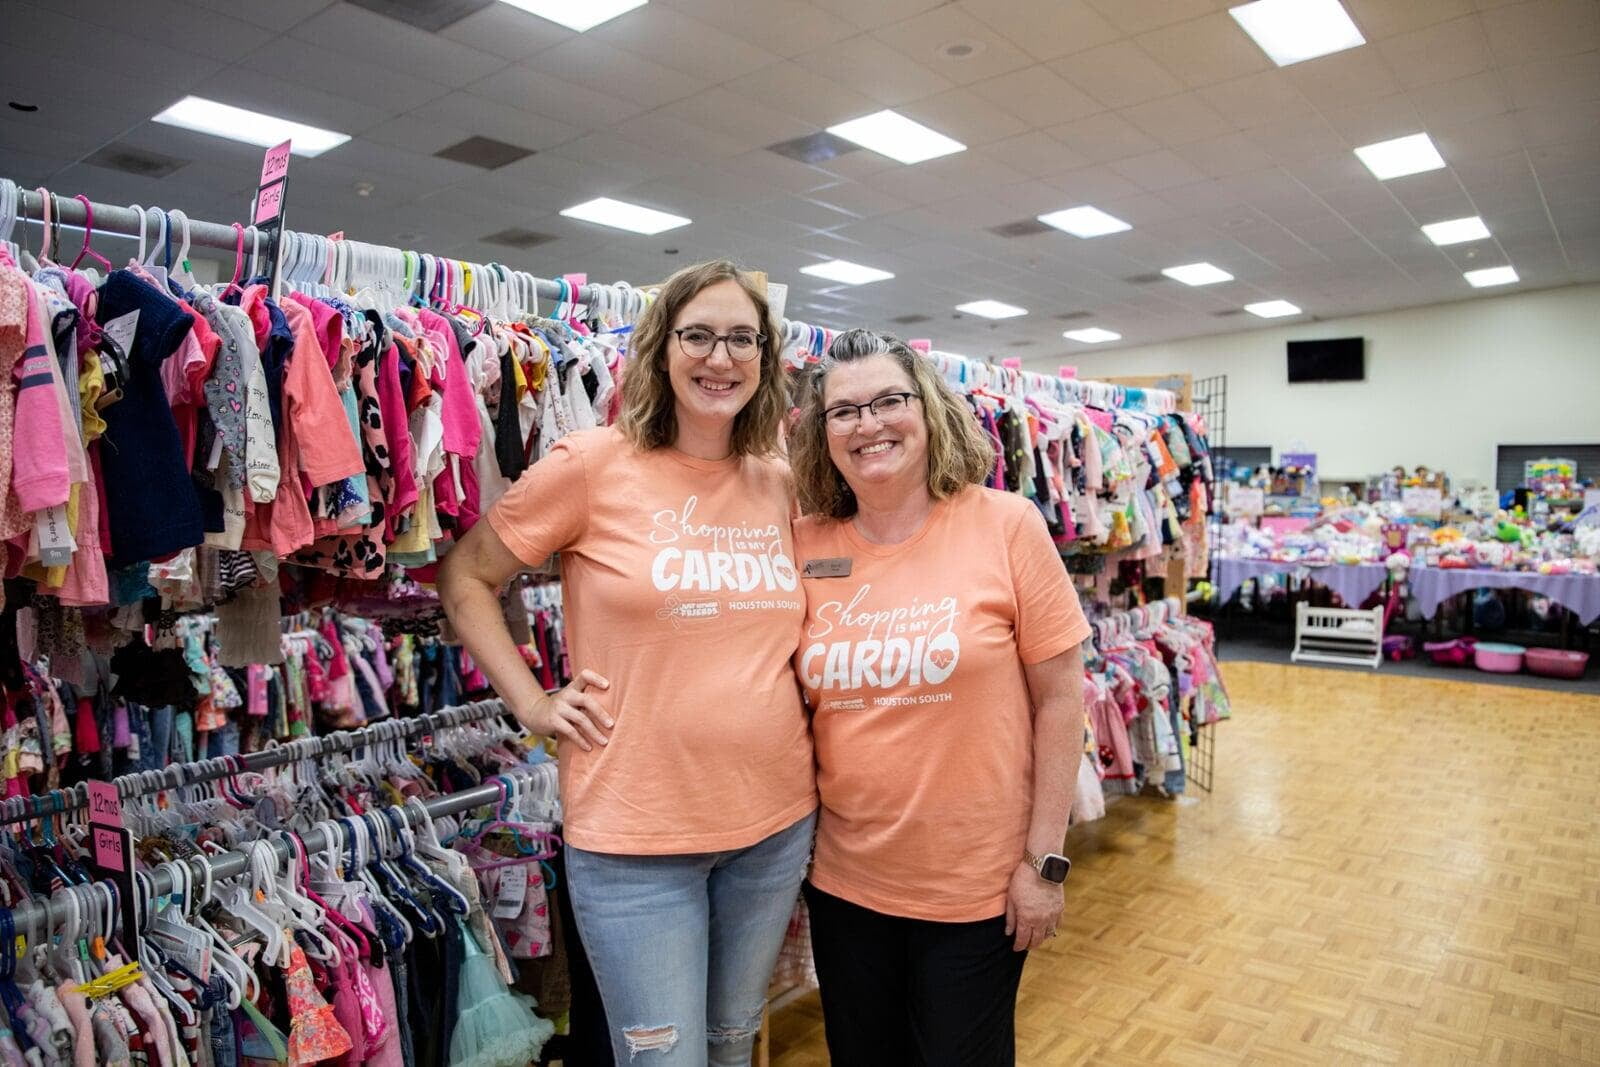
x=959 y=454
x=649 y=416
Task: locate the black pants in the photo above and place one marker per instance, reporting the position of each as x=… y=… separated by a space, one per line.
x=910 y=991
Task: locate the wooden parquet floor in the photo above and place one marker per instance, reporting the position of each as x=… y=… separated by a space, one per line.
x=1392 y=870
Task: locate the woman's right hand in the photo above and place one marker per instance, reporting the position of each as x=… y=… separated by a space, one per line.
x=572 y=713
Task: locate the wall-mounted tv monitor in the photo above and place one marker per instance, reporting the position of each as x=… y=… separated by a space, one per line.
x=1339 y=359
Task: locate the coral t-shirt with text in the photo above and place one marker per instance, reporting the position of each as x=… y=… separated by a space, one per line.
x=679 y=587
x=913 y=666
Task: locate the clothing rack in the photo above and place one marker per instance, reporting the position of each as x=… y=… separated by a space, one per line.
x=178 y=775
x=32 y=913
x=1134 y=619
x=358 y=260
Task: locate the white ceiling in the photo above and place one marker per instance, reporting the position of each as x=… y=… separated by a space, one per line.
x=1161 y=112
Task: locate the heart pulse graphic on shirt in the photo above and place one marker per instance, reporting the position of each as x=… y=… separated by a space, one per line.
x=881 y=647
x=706 y=557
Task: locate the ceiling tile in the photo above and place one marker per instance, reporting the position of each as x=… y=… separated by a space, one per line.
x=1037 y=96
x=1488 y=138
x=1559 y=81
x=508 y=32
x=663 y=132
x=1045 y=29
x=1462 y=100
x=1441 y=53
x=599 y=67
x=1037 y=155
x=334 y=72
x=1296 y=140
x=1093 y=185
x=1137 y=16
x=1178 y=120
x=1344 y=78
x=1205 y=50
x=879 y=13
x=1257 y=99
x=253 y=89
x=857 y=199
x=871 y=67
x=916 y=185
x=797 y=90
x=923 y=38
x=400 y=46
x=1117 y=75
x=1542 y=29
x=1232 y=153
x=1375 y=120
x=731 y=115
x=782 y=27
x=1158 y=170
x=467 y=114
x=1379 y=19
x=697 y=48
x=966 y=116
x=555 y=97
x=1103 y=137
x=168 y=23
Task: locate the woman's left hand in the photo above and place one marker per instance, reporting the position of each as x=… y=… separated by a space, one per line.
x=1033 y=907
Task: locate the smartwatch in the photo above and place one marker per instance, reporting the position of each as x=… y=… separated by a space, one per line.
x=1051 y=866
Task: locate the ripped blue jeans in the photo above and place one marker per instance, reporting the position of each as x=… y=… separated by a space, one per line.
x=683 y=946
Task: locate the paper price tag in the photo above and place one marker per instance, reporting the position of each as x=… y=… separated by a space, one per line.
x=1422 y=502
x=512 y=892
x=55 y=541
x=109 y=852
x=1246 y=502
x=105 y=806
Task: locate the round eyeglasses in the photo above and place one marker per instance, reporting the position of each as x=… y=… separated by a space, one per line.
x=842 y=419
x=698 y=342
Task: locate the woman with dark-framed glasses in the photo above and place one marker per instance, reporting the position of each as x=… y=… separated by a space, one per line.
x=940 y=659
x=686 y=765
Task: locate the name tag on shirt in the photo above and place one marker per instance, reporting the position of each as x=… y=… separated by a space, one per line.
x=836 y=567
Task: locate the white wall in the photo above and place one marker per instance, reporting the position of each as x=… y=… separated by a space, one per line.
x=1445 y=384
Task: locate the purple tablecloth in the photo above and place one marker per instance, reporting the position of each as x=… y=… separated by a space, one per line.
x=1353 y=582
x=1578 y=593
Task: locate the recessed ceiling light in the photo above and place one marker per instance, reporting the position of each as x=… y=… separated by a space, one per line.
x=1456 y=231
x=1085 y=221
x=1292 y=31
x=625 y=216
x=1094 y=335
x=1198 y=274
x=1272 y=309
x=991 y=309
x=251 y=127
x=892 y=134
x=842 y=270
x=1478 y=279
x=1412 y=154
x=580 y=16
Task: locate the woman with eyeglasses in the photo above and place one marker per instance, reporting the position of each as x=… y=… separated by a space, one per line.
x=687 y=778
x=940 y=659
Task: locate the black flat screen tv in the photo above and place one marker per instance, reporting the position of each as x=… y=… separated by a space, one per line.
x=1338 y=359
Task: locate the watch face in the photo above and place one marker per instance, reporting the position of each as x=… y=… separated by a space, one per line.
x=1055 y=868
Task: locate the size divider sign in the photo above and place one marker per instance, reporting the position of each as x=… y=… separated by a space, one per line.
x=113 y=852
x=266 y=212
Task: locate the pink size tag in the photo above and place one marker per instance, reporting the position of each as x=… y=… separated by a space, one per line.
x=105 y=807
x=108 y=851
x=275 y=164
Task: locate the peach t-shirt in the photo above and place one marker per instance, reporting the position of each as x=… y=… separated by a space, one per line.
x=680 y=588
x=913 y=666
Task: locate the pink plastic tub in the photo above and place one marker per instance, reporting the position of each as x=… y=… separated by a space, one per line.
x=1456 y=653
x=1557 y=663
x=1498 y=658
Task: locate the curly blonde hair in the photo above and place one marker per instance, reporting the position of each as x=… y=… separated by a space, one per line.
x=959 y=454
x=649 y=409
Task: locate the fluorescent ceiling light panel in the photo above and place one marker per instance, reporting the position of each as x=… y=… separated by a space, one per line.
x=1094 y=335
x=1272 y=309
x=1198 y=274
x=625 y=216
x=1085 y=221
x=1456 y=231
x=1403 y=155
x=845 y=272
x=1293 y=31
x=892 y=134
x=577 y=15
x=1491 y=276
x=991 y=309
x=251 y=127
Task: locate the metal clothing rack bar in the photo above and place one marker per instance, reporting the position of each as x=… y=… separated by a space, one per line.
x=125 y=221
x=177 y=775
x=28 y=914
